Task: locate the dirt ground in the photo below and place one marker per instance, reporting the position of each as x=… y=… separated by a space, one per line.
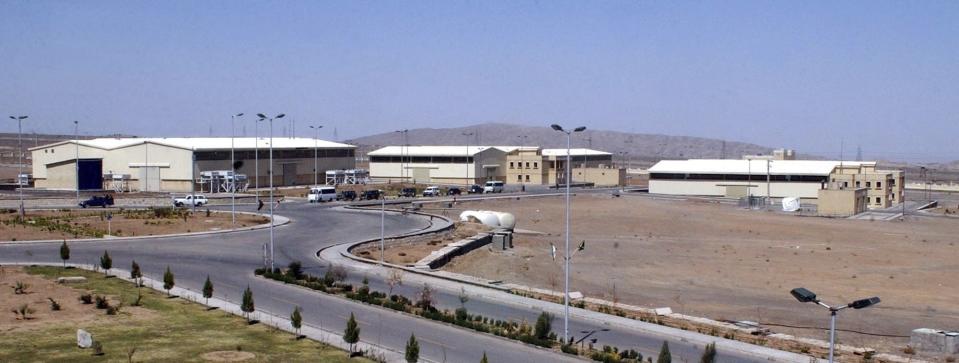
x=415 y=249
x=713 y=260
x=41 y=225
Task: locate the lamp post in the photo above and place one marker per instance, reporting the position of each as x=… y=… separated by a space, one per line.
x=805 y=296
x=76 y=142
x=270 y=173
x=19 y=120
x=233 y=167
x=256 y=160
x=466 y=160
x=566 y=254
x=403 y=149
x=316 y=135
x=522 y=158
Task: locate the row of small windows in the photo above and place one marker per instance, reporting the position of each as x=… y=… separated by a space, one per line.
x=277 y=154
x=519 y=164
x=738 y=177
x=519 y=177
x=422 y=159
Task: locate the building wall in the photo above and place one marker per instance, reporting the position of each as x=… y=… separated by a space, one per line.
x=526 y=167
x=445 y=173
x=718 y=188
x=841 y=202
x=883 y=187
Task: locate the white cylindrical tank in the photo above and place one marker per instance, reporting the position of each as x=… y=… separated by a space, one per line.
x=490 y=218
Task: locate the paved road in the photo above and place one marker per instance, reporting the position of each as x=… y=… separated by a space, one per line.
x=230 y=258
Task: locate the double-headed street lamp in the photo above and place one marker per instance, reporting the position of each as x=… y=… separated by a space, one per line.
x=233 y=167
x=406 y=147
x=566 y=254
x=19 y=120
x=803 y=295
x=270 y=173
x=76 y=143
x=466 y=159
x=316 y=136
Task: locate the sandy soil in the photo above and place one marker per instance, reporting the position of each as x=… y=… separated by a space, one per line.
x=87 y=223
x=717 y=261
x=414 y=249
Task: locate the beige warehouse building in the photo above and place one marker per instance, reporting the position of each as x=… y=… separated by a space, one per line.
x=178 y=164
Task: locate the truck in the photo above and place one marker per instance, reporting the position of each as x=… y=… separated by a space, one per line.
x=196 y=199
x=432 y=191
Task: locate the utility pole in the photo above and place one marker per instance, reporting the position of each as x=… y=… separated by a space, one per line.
x=466 y=160
x=233 y=167
x=566 y=256
x=76 y=142
x=316 y=136
x=768 y=196
x=19 y=120
x=270 y=173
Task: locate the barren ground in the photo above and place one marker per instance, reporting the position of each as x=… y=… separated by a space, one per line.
x=41 y=225
x=414 y=249
x=713 y=260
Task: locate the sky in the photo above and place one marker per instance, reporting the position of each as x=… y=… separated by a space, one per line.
x=808 y=75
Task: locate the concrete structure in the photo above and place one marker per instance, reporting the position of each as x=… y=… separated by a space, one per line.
x=935 y=341
x=164 y=164
x=778 y=154
x=460 y=165
x=842 y=202
x=775 y=178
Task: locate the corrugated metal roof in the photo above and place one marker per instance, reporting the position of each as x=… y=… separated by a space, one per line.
x=573 y=152
x=436 y=150
x=776 y=167
x=208 y=143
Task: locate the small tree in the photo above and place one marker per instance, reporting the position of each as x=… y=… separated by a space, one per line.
x=352 y=333
x=207 y=289
x=544 y=325
x=296 y=320
x=168 y=281
x=295 y=270
x=106 y=263
x=64 y=253
x=664 y=356
x=412 y=350
x=247 y=306
x=135 y=274
x=709 y=355
x=395 y=279
x=426 y=298
x=484 y=360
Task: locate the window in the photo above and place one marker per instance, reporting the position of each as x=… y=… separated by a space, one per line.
x=527 y=177
x=857 y=184
x=878 y=200
x=511 y=165
x=527 y=165
x=868 y=184
x=845 y=184
x=878 y=184
x=519 y=178
x=535 y=165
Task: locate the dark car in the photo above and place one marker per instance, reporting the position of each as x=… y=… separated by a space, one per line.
x=346 y=195
x=454 y=191
x=408 y=193
x=370 y=195
x=98 y=201
x=475 y=189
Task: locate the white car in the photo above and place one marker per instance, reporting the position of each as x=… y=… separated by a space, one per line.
x=493 y=187
x=321 y=194
x=433 y=191
x=197 y=199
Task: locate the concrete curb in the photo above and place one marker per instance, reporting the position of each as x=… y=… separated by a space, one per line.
x=280 y=221
x=332 y=338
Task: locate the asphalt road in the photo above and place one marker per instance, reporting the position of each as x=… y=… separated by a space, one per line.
x=230 y=258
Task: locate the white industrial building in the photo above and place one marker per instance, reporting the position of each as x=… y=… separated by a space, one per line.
x=181 y=164
x=737 y=178
x=439 y=164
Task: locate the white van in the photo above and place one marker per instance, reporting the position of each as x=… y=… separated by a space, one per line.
x=493 y=187
x=321 y=194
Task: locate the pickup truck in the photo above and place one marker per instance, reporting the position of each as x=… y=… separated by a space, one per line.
x=98 y=201
x=190 y=200
x=432 y=192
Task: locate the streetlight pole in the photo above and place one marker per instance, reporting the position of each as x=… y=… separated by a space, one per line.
x=566 y=234
x=233 y=167
x=316 y=135
x=19 y=120
x=466 y=160
x=76 y=142
x=256 y=160
x=270 y=173
x=403 y=150
x=804 y=296
x=382 y=229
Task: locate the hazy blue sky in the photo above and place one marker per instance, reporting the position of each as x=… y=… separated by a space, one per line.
x=802 y=74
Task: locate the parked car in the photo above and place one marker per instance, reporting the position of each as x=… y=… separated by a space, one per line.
x=408 y=193
x=346 y=195
x=475 y=189
x=454 y=191
x=98 y=201
x=198 y=200
x=433 y=191
x=493 y=186
x=370 y=195
x=321 y=194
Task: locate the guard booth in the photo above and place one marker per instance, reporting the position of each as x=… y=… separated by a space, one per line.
x=90 y=174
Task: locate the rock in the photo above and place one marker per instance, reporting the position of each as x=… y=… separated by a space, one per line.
x=84 y=339
x=663 y=311
x=71 y=279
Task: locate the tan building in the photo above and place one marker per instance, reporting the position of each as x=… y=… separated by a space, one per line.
x=177 y=164
x=842 y=202
x=884 y=188
x=532 y=165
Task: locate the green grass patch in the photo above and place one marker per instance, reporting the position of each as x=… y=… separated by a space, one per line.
x=162 y=329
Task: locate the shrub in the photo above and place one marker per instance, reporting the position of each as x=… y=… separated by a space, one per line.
x=168 y=281
x=54 y=305
x=20 y=288
x=86 y=299
x=412 y=350
x=97 y=348
x=352 y=333
x=295 y=270
x=102 y=302
x=544 y=324
x=106 y=263
x=247 y=306
x=207 y=289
